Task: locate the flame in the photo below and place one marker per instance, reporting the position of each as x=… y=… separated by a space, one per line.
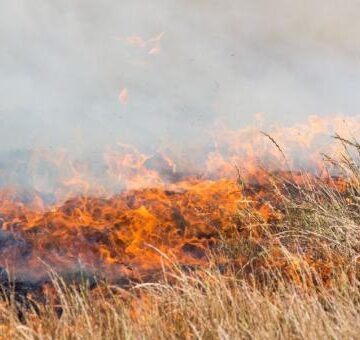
x=154 y=51
x=130 y=230
x=145 y=209
x=124 y=96
x=152 y=44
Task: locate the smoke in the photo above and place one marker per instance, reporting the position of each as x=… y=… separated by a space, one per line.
x=182 y=64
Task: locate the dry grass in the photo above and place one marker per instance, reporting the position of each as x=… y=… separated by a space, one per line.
x=208 y=305
x=301 y=281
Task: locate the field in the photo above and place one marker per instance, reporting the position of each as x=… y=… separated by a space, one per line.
x=285 y=264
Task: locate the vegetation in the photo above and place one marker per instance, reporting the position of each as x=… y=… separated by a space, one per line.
x=294 y=275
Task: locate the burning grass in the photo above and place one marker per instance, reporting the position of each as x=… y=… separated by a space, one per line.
x=274 y=257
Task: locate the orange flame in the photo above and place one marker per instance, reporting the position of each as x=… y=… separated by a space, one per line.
x=162 y=213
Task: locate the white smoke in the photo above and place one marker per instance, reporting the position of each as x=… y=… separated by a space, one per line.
x=63 y=64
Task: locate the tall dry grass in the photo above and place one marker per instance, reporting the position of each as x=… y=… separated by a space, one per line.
x=207 y=305
x=299 y=280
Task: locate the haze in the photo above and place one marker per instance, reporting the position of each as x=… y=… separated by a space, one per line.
x=84 y=73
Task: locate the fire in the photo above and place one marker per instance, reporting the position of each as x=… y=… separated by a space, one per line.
x=132 y=230
x=152 y=44
x=124 y=96
x=145 y=210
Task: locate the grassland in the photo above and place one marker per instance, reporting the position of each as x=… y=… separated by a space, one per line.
x=300 y=279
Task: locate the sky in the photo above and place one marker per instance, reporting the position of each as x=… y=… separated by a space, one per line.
x=86 y=73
